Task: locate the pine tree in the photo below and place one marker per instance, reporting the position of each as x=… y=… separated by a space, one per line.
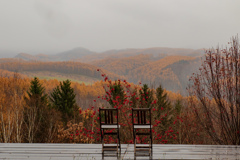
x=117 y=94
x=178 y=124
x=146 y=97
x=55 y=97
x=162 y=101
x=34 y=116
x=178 y=107
x=165 y=110
x=36 y=90
x=63 y=98
x=134 y=102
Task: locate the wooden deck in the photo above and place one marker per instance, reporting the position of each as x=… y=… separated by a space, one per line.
x=21 y=151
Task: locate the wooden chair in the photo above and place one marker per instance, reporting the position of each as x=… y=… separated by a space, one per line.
x=109 y=120
x=141 y=120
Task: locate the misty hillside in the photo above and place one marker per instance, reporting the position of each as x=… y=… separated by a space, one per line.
x=161 y=72
x=170 y=67
x=172 y=71
x=124 y=65
x=76 y=70
x=84 y=55
x=156 y=52
x=70 y=55
x=27 y=57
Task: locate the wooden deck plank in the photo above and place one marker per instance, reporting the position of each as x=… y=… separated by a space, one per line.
x=14 y=151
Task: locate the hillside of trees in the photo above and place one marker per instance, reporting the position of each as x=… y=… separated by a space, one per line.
x=123 y=66
x=172 y=71
x=152 y=66
x=156 y=52
x=52 y=111
x=77 y=70
x=19 y=107
x=160 y=72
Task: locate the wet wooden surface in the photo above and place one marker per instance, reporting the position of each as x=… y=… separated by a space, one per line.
x=21 y=151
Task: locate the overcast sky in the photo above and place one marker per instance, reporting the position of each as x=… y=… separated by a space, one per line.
x=52 y=26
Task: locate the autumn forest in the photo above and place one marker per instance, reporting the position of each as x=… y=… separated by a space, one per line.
x=193 y=95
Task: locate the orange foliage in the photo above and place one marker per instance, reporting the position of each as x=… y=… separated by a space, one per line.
x=61 y=67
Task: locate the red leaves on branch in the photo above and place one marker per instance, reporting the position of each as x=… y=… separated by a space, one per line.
x=124 y=103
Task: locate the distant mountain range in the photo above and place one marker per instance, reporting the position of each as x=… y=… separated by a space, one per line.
x=170 y=67
x=63 y=56
x=85 y=55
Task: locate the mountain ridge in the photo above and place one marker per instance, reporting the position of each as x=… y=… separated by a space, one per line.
x=170 y=67
x=87 y=56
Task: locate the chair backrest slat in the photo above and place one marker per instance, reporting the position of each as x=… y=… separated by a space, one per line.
x=108 y=115
x=112 y=117
x=105 y=113
x=142 y=115
x=138 y=113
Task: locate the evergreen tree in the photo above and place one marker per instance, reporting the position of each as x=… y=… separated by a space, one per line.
x=134 y=102
x=165 y=110
x=163 y=104
x=55 y=97
x=36 y=91
x=34 y=116
x=117 y=94
x=63 y=98
x=146 y=97
x=178 y=124
x=178 y=107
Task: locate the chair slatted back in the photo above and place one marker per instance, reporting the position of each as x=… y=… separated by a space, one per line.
x=142 y=114
x=110 y=116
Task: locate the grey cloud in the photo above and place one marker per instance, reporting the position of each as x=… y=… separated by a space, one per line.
x=51 y=26
x=56 y=22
